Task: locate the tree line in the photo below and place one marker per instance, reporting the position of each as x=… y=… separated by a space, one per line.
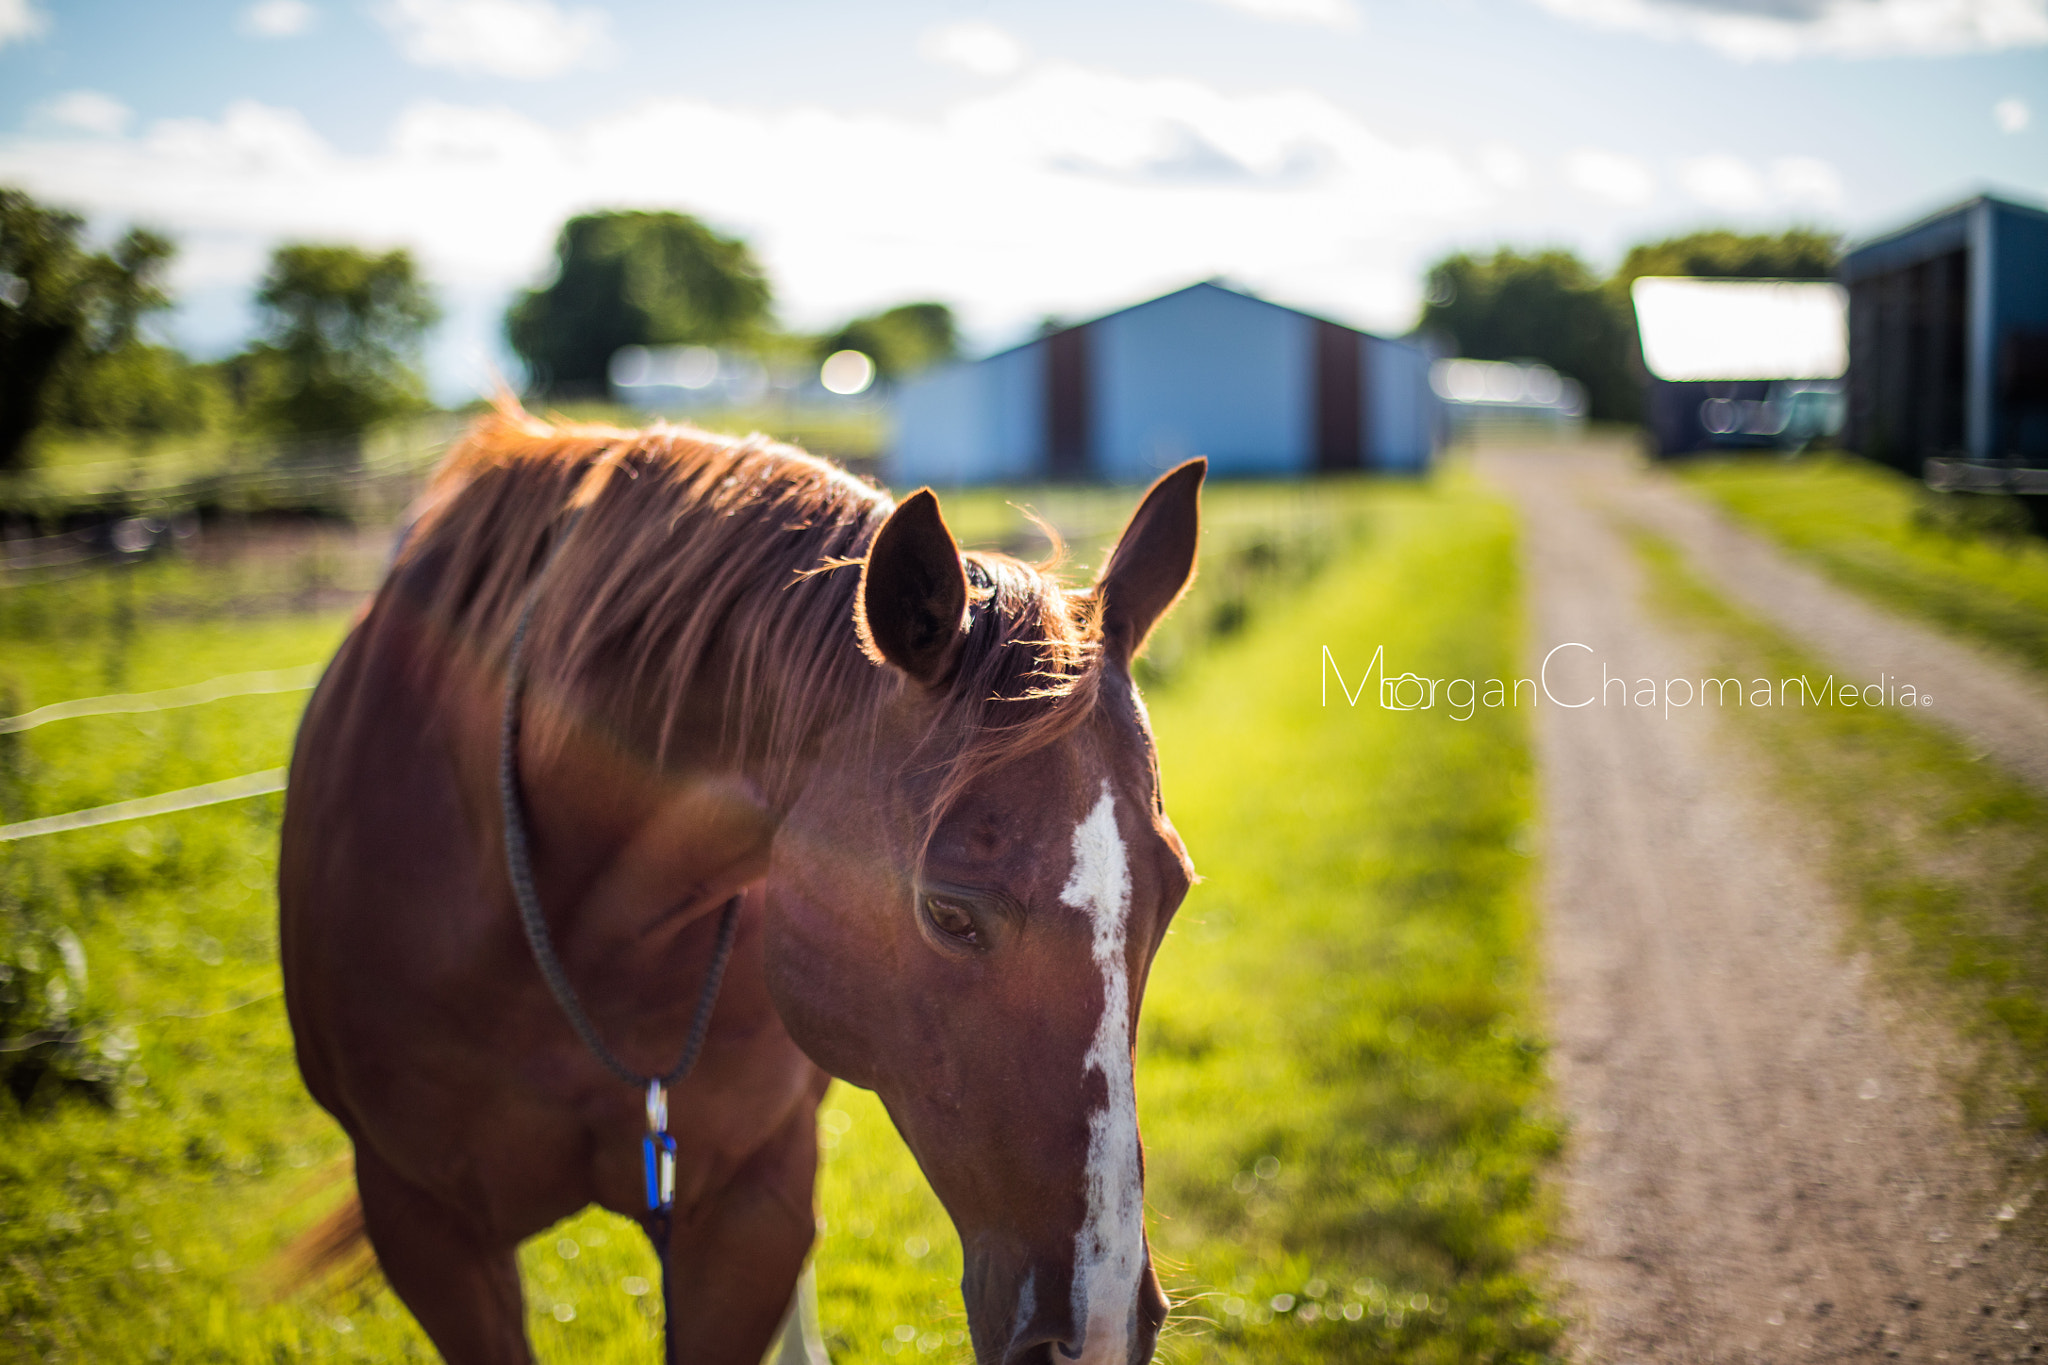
x=341 y=329
x=337 y=347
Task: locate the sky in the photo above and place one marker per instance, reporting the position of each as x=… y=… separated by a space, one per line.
x=1061 y=157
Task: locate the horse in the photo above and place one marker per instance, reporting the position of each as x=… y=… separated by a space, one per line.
x=923 y=780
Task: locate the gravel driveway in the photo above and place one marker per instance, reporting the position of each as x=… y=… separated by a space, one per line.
x=1765 y=1161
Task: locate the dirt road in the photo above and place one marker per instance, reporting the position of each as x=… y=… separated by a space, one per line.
x=1987 y=700
x=1765 y=1163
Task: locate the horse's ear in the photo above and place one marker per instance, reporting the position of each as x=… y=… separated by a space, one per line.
x=913 y=592
x=1154 y=559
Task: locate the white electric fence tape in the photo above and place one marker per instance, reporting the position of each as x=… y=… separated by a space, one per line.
x=185 y=798
x=193 y=694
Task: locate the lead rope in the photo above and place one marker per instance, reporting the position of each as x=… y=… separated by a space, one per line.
x=658 y=1148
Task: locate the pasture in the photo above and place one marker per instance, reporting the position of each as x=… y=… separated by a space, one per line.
x=1340 y=1063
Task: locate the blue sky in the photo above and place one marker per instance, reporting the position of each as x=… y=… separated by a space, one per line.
x=1014 y=160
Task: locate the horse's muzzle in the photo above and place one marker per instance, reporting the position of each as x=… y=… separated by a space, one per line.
x=1023 y=1313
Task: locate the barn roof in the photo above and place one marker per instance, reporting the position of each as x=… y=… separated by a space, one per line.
x=1217 y=285
x=1741 y=329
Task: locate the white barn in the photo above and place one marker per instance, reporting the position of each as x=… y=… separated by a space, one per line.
x=1260 y=389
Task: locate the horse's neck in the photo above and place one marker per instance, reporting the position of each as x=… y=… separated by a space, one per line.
x=631 y=841
x=648 y=806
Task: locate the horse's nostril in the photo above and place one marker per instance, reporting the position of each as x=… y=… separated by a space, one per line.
x=1039 y=1350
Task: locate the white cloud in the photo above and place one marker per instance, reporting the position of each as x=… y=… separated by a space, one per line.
x=1730 y=184
x=1749 y=30
x=1337 y=14
x=20 y=20
x=2011 y=114
x=1806 y=182
x=462 y=137
x=1611 y=176
x=1504 y=166
x=523 y=39
x=1722 y=182
x=88 y=111
x=254 y=147
x=1066 y=190
x=973 y=46
x=278 y=18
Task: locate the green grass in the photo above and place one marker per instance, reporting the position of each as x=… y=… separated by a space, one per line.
x=135 y=1233
x=75 y=630
x=85 y=460
x=235 y=470
x=1943 y=856
x=1957 y=560
x=1340 y=1066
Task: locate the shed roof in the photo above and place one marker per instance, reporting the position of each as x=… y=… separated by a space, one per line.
x=1741 y=329
x=1937 y=234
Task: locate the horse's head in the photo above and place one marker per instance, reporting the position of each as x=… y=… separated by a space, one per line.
x=966 y=898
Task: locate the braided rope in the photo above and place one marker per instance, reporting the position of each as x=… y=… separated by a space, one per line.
x=519 y=868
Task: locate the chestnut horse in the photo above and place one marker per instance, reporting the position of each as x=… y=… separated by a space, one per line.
x=925 y=775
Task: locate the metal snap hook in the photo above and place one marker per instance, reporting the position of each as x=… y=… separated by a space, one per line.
x=657 y=1107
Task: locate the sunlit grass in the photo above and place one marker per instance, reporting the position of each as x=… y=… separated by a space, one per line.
x=1960 y=561
x=1341 y=1065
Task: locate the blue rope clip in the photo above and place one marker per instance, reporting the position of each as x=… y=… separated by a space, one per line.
x=658 y=1152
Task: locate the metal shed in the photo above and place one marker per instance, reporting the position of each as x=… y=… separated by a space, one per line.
x=1207 y=370
x=1948 y=339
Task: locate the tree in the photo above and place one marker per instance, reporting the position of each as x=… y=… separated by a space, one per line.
x=900 y=340
x=1547 y=306
x=140 y=391
x=66 y=314
x=41 y=315
x=342 y=329
x=633 y=279
x=131 y=284
x=1795 y=254
x=117 y=382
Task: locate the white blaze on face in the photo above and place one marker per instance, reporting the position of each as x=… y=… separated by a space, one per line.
x=1109 y=1251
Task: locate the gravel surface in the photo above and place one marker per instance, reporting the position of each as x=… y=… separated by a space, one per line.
x=1994 y=704
x=1765 y=1161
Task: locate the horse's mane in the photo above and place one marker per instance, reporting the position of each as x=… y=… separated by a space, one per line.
x=696 y=555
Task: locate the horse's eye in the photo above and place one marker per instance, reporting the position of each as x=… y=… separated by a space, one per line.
x=950 y=918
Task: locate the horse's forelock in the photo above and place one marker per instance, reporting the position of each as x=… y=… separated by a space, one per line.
x=1029 y=674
